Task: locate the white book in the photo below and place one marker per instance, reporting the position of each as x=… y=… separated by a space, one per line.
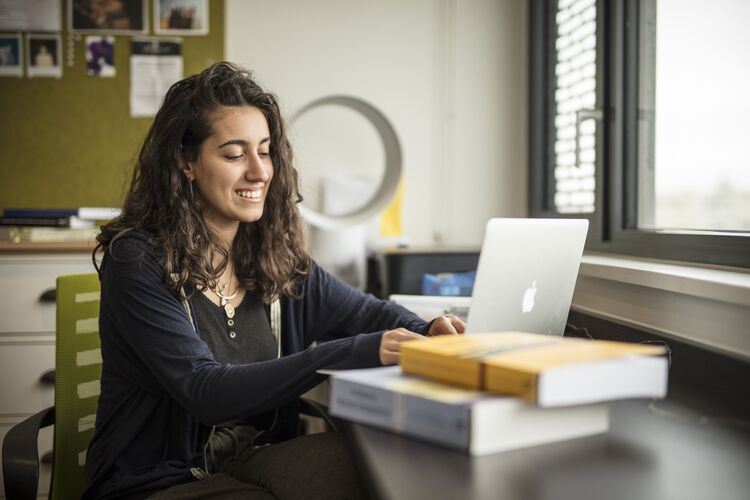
x=475 y=422
x=98 y=213
x=79 y=223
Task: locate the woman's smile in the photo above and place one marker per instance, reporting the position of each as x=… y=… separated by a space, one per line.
x=250 y=194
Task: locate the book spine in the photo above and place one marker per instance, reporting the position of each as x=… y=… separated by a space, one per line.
x=466 y=372
x=98 y=213
x=364 y=404
x=437 y=422
x=35 y=221
x=432 y=421
x=36 y=213
x=510 y=381
x=89 y=213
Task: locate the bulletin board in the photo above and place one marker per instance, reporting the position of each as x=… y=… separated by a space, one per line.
x=71 y=142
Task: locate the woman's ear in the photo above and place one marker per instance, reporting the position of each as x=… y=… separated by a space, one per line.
x=188 y=167
x=189 y=170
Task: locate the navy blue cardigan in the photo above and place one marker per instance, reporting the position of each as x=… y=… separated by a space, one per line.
x=161 y=389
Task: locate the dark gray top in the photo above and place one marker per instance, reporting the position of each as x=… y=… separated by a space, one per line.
x=247 y=340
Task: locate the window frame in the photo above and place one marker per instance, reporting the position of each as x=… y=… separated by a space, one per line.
x=613 y=224
x=543 y=33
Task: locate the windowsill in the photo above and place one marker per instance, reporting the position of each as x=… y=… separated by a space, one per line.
x=704 y=305
x=722 y=284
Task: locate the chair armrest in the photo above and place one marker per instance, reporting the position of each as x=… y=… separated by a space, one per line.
x=315 y=409
x=21 y=455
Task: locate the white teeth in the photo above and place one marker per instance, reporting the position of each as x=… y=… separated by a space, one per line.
x=250 y=194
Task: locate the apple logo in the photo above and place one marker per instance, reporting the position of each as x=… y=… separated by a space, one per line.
x=528 y=298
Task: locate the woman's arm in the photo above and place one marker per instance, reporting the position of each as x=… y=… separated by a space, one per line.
x=148 y=339
x=333 y=309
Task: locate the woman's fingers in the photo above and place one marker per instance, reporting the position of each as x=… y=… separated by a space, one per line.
x=458 y=324
x=390 y=344
x=447 y=325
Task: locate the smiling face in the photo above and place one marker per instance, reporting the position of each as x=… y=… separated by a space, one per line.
x=233 y=169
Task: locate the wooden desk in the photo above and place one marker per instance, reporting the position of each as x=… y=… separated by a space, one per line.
x=645 y=455
x=27 y=248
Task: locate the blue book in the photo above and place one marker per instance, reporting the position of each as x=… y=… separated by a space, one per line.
x=88 y=213
x=39 y=213
x=69 y=222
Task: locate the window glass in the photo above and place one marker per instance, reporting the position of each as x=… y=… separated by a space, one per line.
x=575 y=99
x=693 y=120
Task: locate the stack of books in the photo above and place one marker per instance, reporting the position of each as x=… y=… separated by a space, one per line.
x=486 y=393
x=53 y=225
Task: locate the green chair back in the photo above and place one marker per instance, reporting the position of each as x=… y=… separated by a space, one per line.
x=77 y=372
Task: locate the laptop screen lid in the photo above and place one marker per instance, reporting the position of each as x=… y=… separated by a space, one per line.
x=526 y=275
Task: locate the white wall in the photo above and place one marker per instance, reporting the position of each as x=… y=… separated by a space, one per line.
x=450 y=75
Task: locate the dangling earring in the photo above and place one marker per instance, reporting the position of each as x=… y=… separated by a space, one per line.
x=190 y=183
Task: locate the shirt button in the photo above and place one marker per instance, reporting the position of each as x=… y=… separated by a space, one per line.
x=232 y=335
x=230 y=322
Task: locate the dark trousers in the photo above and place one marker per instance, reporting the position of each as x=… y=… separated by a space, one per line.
x=315 y=466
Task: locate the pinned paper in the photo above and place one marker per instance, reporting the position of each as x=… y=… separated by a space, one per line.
x=155 y=64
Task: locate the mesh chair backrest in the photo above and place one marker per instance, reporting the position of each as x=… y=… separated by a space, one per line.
x=77 y=372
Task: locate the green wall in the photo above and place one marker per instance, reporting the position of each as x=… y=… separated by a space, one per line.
x=71 y=142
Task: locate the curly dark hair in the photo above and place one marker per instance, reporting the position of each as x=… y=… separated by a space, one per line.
x=269 y=254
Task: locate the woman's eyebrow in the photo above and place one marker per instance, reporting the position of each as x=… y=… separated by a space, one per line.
x=241 y=142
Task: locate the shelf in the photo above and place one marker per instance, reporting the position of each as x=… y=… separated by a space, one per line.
x=53 y=247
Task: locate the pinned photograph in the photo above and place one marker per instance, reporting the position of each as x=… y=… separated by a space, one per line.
x=108 y=16
x=100 y=56
x=44 y=55
x=182 y=17
x=11 y=55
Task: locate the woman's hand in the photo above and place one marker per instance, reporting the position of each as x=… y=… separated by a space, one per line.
x=390 y=344
x=446 y=325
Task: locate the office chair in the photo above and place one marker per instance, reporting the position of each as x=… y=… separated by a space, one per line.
x=77 y=373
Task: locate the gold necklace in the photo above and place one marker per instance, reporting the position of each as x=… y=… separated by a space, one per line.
x=224 y=300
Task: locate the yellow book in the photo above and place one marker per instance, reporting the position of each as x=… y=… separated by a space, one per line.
x=458 y=358
x=545 y=370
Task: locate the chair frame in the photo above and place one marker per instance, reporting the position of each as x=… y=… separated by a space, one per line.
x=21 y=455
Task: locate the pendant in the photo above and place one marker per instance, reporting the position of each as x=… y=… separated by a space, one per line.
x=229 y=310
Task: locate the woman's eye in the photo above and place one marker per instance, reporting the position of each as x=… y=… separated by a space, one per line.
x=234 y=157
x=264 y=153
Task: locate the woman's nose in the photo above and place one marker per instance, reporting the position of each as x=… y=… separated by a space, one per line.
x=257 y=169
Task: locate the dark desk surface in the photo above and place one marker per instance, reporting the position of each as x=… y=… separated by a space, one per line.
x=660 y=452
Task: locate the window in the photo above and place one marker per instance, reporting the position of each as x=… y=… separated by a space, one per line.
x=638 y=119
x=693 y=97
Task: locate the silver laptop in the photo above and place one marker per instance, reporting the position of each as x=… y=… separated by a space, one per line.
x=526 y=275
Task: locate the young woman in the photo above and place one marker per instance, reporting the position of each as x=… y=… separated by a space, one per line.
x=210 y=306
